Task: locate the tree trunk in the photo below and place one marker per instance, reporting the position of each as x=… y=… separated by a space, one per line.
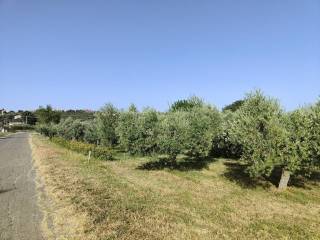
x=285 y=176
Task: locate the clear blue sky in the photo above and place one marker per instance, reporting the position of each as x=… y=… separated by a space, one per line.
x=82 y=54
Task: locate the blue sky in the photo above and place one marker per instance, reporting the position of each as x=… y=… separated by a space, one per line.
x=82 y=54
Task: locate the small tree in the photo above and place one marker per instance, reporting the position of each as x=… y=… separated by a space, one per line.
x=172 y=133
x=107 y=121
x=47 y=115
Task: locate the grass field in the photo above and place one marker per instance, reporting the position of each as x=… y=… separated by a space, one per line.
x=4 y=134
x=143 y=198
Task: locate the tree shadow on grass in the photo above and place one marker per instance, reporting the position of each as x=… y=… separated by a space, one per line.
x=6 y=190
x=184 y=164
x=235 y=172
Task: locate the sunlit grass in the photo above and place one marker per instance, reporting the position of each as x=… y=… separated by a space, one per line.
x=133 y=199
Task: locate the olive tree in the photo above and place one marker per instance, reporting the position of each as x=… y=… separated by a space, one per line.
x=127 y=129
x=314 y=135
x=172 y=133
x=226 y=144
x=186 y=104
x=261 y=128
x=71 y=129
x=203 y=125
x=107 y=121
x=91 y=132
x=147 y=132
x=47 y=115
x=137 y=131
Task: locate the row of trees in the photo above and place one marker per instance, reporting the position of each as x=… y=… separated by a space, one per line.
x=256 y=130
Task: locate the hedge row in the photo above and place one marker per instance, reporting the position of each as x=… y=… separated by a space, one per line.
x=99 y=152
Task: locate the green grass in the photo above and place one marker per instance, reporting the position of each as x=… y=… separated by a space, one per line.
x=4 y=134
x=133 y=199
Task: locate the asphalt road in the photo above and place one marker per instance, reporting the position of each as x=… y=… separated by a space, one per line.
x=20 y=215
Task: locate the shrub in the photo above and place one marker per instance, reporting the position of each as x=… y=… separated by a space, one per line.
x=103 y=153
x=49 y=130
x=21 y=127
x=84 y=148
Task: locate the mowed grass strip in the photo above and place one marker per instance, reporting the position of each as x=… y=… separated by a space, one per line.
x=125 y=200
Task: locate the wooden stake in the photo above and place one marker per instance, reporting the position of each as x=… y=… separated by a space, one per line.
x=89 y=156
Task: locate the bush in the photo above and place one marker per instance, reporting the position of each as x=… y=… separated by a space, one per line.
x=50 y=130
x=84 y=148
x=21 y=127
x=103 y=153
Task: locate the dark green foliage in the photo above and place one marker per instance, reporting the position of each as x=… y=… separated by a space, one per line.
x=47 y=115
x=225 y=144
x=20 y=127
x=186 y=104
x=49 y=130
x=84 y=148
x=233 y=106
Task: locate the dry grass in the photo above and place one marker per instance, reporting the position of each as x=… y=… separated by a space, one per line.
x=122 y=200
